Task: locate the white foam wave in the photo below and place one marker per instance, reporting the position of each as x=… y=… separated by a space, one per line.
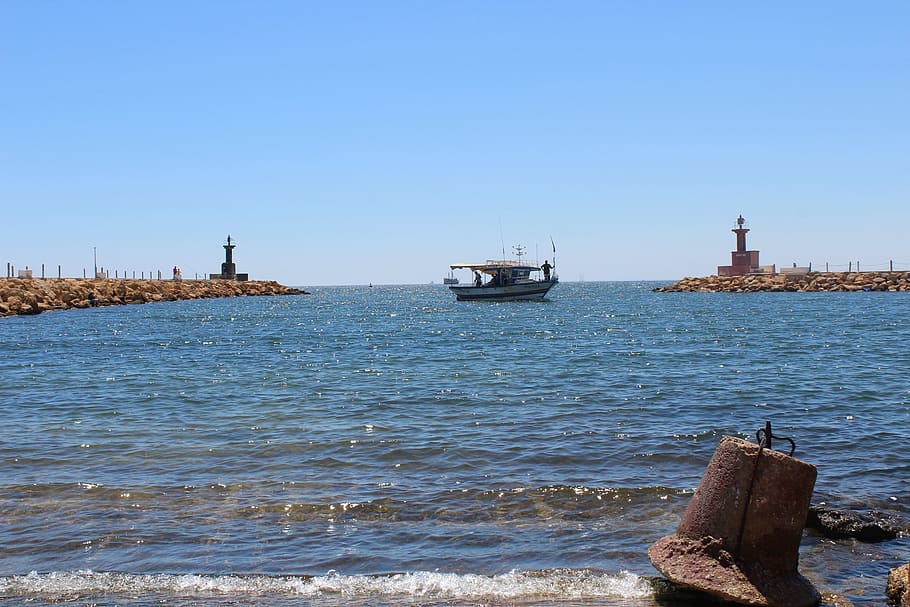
x=561 y=584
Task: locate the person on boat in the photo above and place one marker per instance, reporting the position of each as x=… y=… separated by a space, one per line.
x=478 y=280
x=546 y=267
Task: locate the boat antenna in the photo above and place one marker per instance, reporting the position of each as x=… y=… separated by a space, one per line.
x=502 y=240
x=554 y=252
x=519 y=251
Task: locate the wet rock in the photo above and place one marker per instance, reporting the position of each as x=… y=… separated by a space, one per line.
x=865 y=526
x=28 y=309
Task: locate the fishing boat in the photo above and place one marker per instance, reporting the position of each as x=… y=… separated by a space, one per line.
x=505 y=280
x=451 y=279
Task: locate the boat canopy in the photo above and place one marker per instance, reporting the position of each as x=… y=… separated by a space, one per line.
x=492 y=266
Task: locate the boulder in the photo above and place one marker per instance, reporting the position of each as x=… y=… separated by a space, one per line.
x=896 y=591
x=28 y=309
x=869 y=526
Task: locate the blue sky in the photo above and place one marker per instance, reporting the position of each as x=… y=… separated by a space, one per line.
x=355 y=142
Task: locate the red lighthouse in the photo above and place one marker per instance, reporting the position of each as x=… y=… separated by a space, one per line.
x=742 y=261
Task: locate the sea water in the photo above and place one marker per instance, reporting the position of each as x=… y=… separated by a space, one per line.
x=387 y=445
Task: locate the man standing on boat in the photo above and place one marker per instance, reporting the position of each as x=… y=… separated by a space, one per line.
x=546 y=267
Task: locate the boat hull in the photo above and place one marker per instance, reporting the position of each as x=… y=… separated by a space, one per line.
x=528 y=291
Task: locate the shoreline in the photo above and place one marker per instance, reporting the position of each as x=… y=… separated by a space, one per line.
x=28 y=296
x=804 y=282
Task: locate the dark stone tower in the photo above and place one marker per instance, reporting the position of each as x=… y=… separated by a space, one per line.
x=229 y=268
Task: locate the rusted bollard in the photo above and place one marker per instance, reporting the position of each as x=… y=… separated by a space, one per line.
x=739 y=537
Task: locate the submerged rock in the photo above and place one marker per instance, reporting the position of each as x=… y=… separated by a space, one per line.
x=869 y=526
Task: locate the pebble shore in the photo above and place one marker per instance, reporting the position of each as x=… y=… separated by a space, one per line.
x=813 y=281
x=36 y=295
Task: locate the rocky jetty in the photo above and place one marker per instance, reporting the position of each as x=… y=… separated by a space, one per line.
x=33 y=296
x=812 y=281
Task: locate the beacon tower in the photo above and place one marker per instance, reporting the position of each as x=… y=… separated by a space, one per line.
x=229 y=268
x=742 y=261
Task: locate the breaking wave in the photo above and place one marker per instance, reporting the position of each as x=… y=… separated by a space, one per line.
x=516 y=585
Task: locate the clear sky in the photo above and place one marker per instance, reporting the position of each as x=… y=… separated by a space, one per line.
x=378 y=141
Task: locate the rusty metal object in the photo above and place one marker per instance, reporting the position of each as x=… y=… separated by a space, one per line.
x=739 y=537
x=764 y=435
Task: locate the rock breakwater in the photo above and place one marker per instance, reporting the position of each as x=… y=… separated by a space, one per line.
x=812 y=281
x=33 y=296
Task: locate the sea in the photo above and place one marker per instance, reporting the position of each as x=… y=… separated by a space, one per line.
x=387 y=445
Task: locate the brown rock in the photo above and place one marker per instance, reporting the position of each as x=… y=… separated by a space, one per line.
x=898 y=582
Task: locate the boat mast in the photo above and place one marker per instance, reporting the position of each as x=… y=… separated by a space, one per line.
x=519 y=251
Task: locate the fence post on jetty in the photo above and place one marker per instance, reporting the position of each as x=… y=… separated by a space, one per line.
x=42 y=271
x=59 y=271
